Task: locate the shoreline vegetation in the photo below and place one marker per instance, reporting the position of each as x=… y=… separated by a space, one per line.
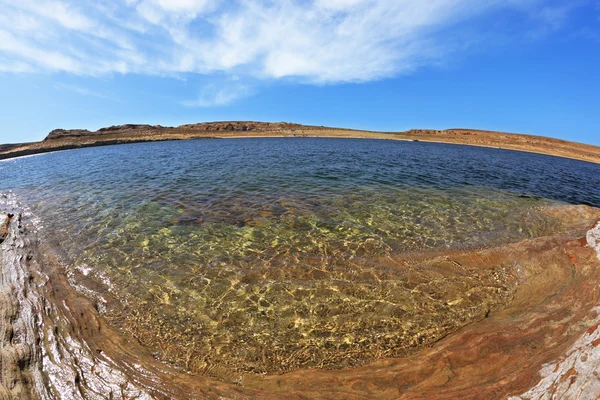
x=61 y=139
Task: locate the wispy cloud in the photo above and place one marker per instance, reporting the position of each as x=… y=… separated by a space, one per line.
x=556 y=16
x=213 y=95
x=312 y=41
x=14 y=66
x=85 y=91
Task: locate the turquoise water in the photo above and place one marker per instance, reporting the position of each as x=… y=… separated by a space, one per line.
x=265 y=255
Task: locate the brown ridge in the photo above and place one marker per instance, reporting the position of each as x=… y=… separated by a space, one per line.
x=61 y=139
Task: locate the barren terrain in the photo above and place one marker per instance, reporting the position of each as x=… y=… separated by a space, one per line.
x=61 y=139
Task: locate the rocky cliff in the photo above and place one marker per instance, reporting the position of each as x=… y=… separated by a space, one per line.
x=137 y=129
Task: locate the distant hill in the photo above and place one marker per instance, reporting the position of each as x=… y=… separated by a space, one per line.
x=64 y=139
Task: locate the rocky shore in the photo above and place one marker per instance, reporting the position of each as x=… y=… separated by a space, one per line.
x=61 y=139
x=54 y=343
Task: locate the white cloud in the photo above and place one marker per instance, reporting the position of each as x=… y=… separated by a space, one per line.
x=184 y=6
x=15 y=66
x=49 y=59
x=157 y=11
x=63 y=13
x=312 y=41
x=213 y=95
x=555 y=16
x=551 y=18
x=339 y=4
x=84 y=91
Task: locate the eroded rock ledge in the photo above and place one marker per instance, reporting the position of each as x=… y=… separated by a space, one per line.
x=55 y=345
x=42 y=357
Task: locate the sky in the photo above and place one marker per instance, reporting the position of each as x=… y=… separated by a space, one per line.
x=526 y=66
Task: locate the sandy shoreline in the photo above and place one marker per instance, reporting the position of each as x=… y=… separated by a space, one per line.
x=65 y=140
x=552 y=320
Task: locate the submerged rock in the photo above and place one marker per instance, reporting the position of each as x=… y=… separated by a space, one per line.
x=56 y=345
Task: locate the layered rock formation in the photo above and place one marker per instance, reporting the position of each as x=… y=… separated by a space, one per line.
x=243 y=126
x=59 y=134
x=4 y=221
x=55 y=345
x=136 y=129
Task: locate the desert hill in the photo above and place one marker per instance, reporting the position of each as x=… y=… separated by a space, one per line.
x=63 y=139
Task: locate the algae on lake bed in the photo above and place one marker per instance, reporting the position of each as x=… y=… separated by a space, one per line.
x=229 y=257
x=267 y=285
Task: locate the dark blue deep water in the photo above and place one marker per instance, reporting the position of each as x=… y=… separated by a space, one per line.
x=297 y=165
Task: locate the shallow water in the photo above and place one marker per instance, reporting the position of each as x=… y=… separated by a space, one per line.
x=265 y=255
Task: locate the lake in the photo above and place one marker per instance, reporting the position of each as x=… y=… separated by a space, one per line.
x=268 y=255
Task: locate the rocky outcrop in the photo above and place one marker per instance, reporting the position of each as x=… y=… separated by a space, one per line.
x=129 y=127
x=21 y=374
x=137 y=129
x=4 y=221
x=41 y=354
x=59 y=134
x=54 y=344
x=242 y=126
x=9 y=147
x=67 y=133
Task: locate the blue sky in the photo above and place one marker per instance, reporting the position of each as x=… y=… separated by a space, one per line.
x=528 y=66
